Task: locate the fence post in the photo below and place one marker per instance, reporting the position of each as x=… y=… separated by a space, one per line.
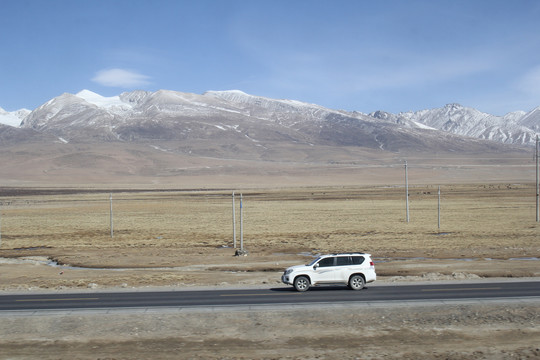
x=439 y=208
x=111 y=212
x=407 y=191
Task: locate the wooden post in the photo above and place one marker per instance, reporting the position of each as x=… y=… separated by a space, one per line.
x=407 y=191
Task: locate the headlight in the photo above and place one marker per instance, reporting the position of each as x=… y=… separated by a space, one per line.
x=288 y=271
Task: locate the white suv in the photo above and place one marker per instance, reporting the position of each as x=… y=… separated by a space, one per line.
x=352 y=269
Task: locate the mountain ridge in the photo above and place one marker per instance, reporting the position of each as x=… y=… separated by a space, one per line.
x=517 y=127
x=232 y=116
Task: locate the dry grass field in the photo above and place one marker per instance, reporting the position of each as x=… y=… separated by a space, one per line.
x=186 y=237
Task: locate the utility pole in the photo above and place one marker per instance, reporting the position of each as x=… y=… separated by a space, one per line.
x=233 y=222
x=537 y=182
x=439 y=208
x=241 y=225
x=241 y=251
x=111 y=212
x=407 y=190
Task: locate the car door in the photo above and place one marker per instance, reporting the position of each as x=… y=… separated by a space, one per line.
x=324 y=270
x=343 y=268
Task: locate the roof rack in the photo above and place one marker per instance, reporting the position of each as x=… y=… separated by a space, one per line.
x=348 y=253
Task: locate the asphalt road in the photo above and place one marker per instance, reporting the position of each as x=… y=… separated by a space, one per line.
x=275 y=296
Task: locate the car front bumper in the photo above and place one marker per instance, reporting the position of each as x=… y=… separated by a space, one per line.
x=286 y=280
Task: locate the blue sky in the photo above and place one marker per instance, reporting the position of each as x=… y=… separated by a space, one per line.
x=352 y=55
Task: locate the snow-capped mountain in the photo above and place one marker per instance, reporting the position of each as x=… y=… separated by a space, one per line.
x=233 y=123
x=230 y=123
x=13 y=118
x=514 y=128
x=168 y=114
x=531 y=120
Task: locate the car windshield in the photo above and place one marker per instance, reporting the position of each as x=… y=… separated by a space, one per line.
x=313 y=262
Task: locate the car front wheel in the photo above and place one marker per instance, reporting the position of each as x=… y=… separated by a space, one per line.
x=301 y=283
x=356 y=282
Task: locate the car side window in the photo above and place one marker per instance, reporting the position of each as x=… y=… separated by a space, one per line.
x=343 y=260
x=357 y=260
x=329 y=261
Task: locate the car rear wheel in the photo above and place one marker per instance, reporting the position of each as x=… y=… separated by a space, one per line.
x=301 y=283
x=356 y=282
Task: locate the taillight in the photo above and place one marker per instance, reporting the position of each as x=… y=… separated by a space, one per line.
x=371 y=263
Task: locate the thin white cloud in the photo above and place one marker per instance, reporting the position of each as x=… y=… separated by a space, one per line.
x=120 y=78
x=419 y=72
x=379 y=69
x=529 y=83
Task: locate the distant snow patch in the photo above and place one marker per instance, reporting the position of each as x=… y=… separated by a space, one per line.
x=252 y=139
x=13 y=118
x=422 y=126
x=159 y=148
x=110 y=103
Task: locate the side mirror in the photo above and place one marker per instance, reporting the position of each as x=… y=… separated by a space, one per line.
x=316 y=266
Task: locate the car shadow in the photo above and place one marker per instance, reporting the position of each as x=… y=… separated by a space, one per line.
x=314 y=288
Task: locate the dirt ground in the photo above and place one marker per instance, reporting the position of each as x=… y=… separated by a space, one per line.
x=181 y=240
x=181 y=268
x=421 y=331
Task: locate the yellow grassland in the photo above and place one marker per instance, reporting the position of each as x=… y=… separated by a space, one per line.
x=475 y=220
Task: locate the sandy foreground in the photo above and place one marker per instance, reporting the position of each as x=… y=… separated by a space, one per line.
x=451 y=331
